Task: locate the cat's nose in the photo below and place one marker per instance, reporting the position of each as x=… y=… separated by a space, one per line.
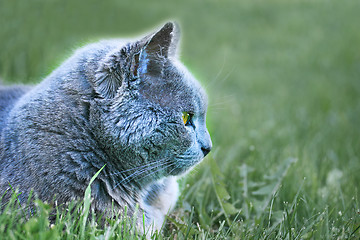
x=206 y=143
x=206 y=150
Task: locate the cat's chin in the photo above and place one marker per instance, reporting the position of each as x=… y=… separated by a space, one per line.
x=184 y=169
x=182 y=172
x=178 y=172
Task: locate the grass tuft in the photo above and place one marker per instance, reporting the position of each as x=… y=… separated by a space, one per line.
x=283 y=84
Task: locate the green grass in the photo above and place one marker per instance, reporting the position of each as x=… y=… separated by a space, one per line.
x=283 y=78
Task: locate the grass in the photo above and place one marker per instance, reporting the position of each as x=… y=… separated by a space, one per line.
x=284 y=89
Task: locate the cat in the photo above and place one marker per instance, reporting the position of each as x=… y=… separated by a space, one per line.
x=127 y=104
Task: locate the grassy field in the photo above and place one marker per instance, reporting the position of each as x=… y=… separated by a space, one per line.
x=283 y=78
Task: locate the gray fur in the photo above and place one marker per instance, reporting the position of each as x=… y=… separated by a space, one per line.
x=117 y=103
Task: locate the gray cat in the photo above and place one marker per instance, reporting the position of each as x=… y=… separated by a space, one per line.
x=128 y=104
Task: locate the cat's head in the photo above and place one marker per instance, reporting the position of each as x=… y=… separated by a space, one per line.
x=153 y=111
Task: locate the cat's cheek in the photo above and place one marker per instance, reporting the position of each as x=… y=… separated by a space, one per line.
x=190 y=137
x=181 y=139
x=187 y=142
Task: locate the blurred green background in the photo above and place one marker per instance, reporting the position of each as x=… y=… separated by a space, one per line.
x=283 y=79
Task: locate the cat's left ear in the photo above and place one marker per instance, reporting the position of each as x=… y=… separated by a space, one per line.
x=158 y=47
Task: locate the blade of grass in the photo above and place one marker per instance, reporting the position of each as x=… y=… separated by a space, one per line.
x=87 y=202
x=221 y=192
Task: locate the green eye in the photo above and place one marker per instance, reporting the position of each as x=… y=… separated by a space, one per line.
x=186 y=118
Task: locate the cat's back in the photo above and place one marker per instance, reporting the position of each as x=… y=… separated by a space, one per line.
x=8 y=97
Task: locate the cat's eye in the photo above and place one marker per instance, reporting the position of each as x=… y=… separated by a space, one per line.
x=186 y=118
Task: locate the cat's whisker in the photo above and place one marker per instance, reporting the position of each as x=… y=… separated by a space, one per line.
x=137 y=173
x=146 y=170
x=224 y=100
x=162 y=163
x=227 y=76
x=216 y=80
x=160 y=169
x=172 y=170
x=223 y=103
x=132 y=169
x=141 y=171
x=134 y=174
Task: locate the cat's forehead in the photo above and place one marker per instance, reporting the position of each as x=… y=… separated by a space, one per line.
x=175 y=88
x=195 y=93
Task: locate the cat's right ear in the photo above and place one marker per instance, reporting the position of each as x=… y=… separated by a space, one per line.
x=156 y=48
x=163 y=43
x=146 y=56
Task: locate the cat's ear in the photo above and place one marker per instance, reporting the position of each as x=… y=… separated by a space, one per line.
x=143 y=57
x=108 y=77
x=158 y=47
x=163 y=43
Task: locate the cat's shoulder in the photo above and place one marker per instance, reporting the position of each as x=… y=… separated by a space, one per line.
x=12 y=92
x=9 y=95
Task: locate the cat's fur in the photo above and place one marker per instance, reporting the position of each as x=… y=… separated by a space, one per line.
x=115 y=102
